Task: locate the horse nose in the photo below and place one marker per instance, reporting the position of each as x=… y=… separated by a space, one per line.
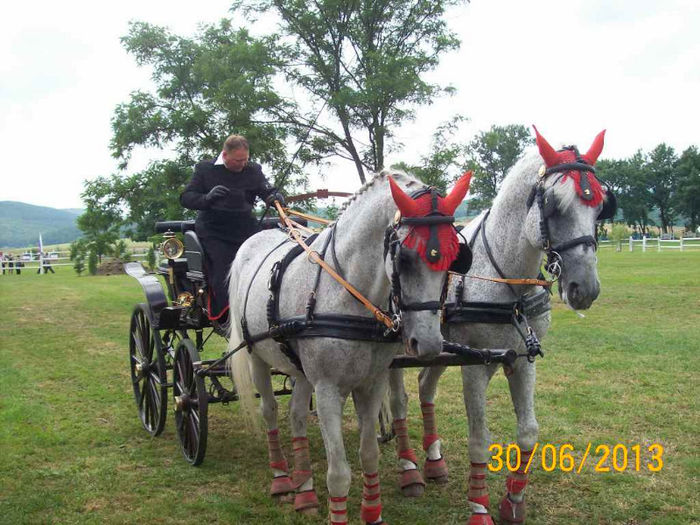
x=581 y=297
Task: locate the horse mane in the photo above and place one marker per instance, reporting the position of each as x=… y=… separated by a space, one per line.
x=398 y=176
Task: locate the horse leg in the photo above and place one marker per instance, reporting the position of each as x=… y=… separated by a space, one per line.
x=305 y=499
x=475 y=379
x=410 y=479
x=367 y=405
x=281 y=483
x=435 y=468
x=522 y=391
x=329 y=405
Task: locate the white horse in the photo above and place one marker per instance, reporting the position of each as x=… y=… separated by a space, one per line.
x=376 y=254
x=541 y=211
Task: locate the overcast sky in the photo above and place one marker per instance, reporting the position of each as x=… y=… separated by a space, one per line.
x=570 y=67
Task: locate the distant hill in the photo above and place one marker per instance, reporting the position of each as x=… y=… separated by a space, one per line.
x=21 y=224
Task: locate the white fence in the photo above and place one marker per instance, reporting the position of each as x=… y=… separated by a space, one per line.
x=658 y=244
x=30 y=260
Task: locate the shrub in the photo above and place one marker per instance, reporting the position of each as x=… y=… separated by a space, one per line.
x=92 y=262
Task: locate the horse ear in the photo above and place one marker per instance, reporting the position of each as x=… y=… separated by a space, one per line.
x=457 y=194
x=406 y=205
x=596 y=148
x=547 y=152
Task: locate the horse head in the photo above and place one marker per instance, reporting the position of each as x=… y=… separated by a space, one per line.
x=565 y=203
x=420 y=246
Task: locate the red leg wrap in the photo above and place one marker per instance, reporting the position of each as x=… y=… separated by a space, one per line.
x=478 y=491
x=435 y=470
x=305 y=500
x=430 y=434
x=480 y=519
x=337 y=509
x=403 y=444
x=277 y=459
x=370 y=514
x=515 y=485
x=302 y=462
x=281 y=485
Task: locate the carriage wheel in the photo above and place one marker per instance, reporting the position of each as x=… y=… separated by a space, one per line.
x=191 y=401
x=148 y=372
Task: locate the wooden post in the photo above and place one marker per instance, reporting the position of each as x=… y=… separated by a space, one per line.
x=631 y=244
x=644 y=243
x=659 y=239
x=681 y=242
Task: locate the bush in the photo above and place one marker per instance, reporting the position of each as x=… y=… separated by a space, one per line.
x=92 y=262
x=619 y=233
x=79 y=263
x=121 y=252
x=151 y=258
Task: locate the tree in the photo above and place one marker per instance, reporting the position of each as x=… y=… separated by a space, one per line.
x=364 y=61
x=491 y=154
x=687 y=176
x=102 y=219
x=661 y=183
x=442 y=165
x=151 y=257
x=208 y=86
x=628 y=179
x=92 y=262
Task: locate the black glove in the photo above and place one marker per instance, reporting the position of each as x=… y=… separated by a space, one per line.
x=217 y=193
x=275 y=196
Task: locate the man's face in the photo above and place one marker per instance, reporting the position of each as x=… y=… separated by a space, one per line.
x=236 y=159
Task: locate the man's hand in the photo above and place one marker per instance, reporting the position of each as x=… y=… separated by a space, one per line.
x=276 y=196
x=217 y=193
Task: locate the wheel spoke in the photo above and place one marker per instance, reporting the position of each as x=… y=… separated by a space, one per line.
x=138 y=344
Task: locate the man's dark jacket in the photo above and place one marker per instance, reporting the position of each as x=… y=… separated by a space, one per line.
x=231 y=218
x=225 y=224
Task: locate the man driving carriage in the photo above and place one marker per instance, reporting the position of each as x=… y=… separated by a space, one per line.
x=224 y=191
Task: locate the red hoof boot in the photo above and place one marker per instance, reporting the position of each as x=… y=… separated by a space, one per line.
x=436 y=470
x=411 y=483
x=511 y=511
x=281 y=486
x=306 y=502
x=480 y=519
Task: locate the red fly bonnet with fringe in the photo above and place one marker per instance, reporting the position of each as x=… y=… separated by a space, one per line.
x=432 y=233
x=572 y=164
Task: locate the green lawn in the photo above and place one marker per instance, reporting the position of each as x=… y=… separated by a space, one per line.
x=73 y=451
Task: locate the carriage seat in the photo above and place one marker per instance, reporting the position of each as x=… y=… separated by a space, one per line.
x=194 y=254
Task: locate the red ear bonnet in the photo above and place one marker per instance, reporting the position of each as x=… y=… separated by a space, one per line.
x=596 y=148
x=421 y=207
x=548 y=153
x=457 y=194
x=406 y=205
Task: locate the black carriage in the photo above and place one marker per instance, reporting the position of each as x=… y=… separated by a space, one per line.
x=167 y=335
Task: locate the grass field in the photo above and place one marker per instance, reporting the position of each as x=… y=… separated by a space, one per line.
x=73 y=451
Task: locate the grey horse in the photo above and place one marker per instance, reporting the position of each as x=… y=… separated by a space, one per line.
x=365 y=254
x=541 y=212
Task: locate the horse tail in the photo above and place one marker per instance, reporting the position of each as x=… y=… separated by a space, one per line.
x=239 y=366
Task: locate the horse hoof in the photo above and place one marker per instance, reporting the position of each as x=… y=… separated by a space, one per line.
x=411 y=483
x=512 y=511
x=436 y=470
x=413 y=491
x=306 y=502
x=480 y=519
x=309 y=511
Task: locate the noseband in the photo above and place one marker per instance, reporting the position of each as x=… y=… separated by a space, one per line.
x=392 y=246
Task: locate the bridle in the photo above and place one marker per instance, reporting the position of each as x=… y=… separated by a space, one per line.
x=393 y=245
x=553 y=260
